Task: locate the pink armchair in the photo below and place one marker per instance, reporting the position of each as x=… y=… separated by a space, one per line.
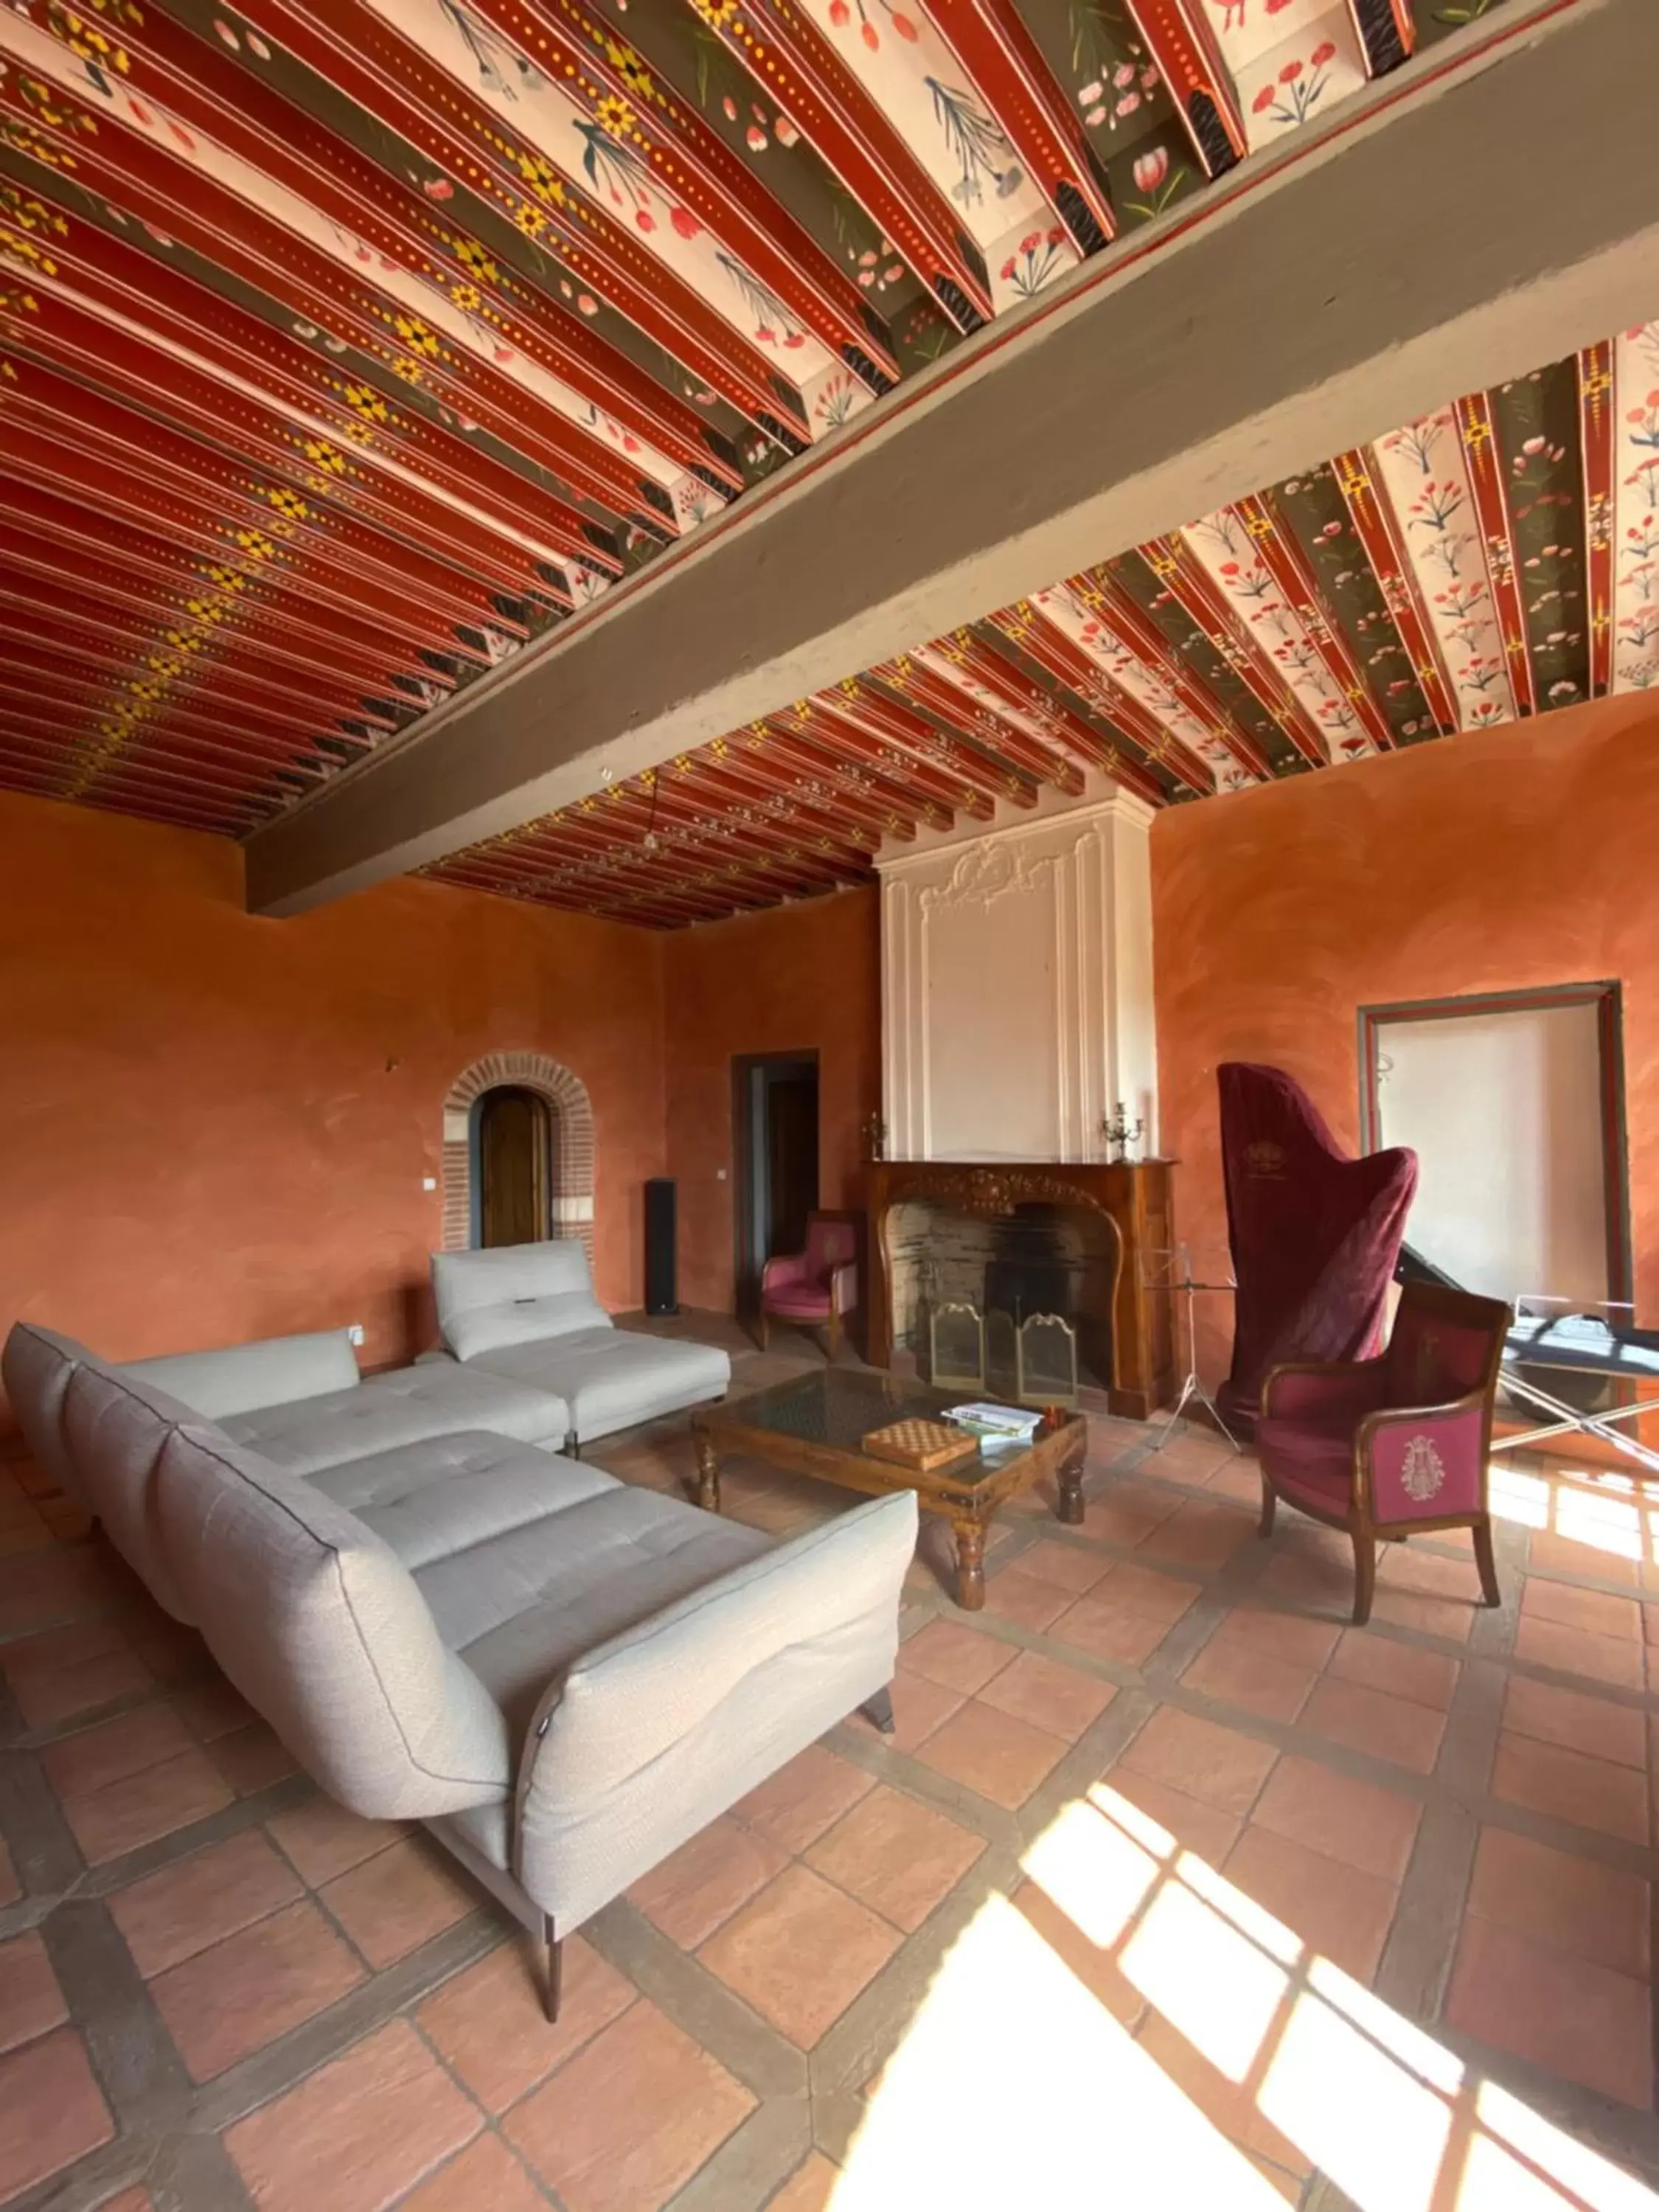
x=817 y=1287
x=1388 y=1447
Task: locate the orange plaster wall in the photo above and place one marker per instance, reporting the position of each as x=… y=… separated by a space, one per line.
x=793 y=978
x=215 y=1127
x=1489 y=862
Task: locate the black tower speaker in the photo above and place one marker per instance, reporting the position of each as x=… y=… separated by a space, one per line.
x=661 y=1247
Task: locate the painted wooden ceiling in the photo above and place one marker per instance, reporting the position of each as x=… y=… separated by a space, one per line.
x=347 y=344
x=1494 y=561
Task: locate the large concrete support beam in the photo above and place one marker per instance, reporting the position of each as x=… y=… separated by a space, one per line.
x=1487 y=210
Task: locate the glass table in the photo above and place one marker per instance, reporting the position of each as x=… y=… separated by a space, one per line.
x=816 y=1423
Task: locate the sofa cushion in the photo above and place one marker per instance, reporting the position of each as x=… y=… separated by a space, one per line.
x=36 y=1367
x=522 y=1606
x=322 y=1631
x=115 y=1428
x=439 y=1398
x=611 y=1377
x=514 y=1294
x=443 y=1495
x=239 y=1378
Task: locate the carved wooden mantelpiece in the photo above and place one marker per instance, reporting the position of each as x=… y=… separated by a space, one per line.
x=1132 y=1197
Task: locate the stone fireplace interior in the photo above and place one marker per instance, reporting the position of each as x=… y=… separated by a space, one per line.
x=1039 y=1258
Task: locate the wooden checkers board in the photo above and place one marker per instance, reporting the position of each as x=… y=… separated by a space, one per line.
x=923 y=1445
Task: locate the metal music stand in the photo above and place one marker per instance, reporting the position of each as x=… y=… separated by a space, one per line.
x=1171 y=1269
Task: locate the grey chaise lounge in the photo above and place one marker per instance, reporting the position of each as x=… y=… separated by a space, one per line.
x=563 y=1676
x=526 y=1314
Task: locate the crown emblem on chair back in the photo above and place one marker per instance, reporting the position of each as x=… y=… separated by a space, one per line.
x=1422 y=1471
x=1264 y=1158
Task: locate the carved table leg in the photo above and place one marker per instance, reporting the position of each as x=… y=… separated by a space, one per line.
x=708 y=1472
x=1070 y=1508
x=970 y=1566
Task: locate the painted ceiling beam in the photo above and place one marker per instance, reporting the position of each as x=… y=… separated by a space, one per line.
x=353 y=47
x=1114 y=629
x=1178 y=568
x=146 y=792
x=783 y=49
x=94 y=643
x=1476 y=429
x=606 y=844
x=1029 y=626
x=1335 y=300
x=693 y=824
x=1598 y=438
x=921 y=687
x=209 y=369
x=1289 y=568
x=859 y=704
x=810 y=806
x=1373 y=521
x=230 y=105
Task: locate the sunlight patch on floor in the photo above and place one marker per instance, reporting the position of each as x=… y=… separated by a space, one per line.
x=1015 y=2084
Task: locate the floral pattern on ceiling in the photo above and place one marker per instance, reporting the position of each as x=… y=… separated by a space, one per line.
x=347 y=345
x=1495 y=560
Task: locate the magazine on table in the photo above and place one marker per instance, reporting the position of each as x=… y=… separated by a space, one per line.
x=995 y=1425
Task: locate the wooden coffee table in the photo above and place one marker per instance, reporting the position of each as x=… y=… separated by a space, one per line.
x=816 y=1426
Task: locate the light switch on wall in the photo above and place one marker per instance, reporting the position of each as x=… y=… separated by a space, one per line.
x=428 y=1182
x=355 y=1331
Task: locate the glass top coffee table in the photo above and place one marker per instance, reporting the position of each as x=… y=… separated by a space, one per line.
x=816 y=1426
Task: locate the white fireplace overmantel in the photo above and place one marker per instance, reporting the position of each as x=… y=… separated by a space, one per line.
x=1016 y=982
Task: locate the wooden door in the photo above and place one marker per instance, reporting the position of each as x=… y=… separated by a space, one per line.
x=513 y=1134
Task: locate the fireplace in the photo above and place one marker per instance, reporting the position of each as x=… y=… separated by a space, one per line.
x=994 y=1248
x=979 y=1298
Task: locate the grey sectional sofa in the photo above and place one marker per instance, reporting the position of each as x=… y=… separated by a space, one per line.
x=563 y=1676
x=526 y=1314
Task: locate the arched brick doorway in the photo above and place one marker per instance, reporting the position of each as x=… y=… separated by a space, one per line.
x=571 y=1117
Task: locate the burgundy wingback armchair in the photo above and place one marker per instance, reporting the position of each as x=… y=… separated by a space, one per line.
x=817 y=1287
x=1388 y=1447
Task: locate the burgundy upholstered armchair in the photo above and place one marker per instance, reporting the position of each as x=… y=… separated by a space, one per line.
x=1388 y=1447
x=817 y=1287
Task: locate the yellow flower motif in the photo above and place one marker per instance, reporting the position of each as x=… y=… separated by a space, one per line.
x=255 y=541
x=329 y=457
x=719 y=15
x=530 y=220
x=405 y=366
x=467 y=297
x=416 y=336
x=543 y=179
x=14 y=246
x=614 y=116
x=631 y=68
x=288 y=501
x=364 y=400
x=471 y=255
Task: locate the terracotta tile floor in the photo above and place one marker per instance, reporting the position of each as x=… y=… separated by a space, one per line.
x=1170 y=1888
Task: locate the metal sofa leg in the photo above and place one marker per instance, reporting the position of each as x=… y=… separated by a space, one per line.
x=554 y=1967
x=880 y=1709
x=572 y=1447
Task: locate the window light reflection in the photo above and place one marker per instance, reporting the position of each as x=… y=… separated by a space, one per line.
x=1078 y=2113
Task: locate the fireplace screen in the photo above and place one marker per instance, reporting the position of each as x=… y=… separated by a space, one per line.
x=1026 y=1363
x=955 y=1335
x=1016 y=1304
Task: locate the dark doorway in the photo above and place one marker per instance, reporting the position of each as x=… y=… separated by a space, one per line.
x=775 y=1118
x=512 y=1132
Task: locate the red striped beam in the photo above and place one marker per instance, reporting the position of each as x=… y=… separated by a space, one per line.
x=1598 y=441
